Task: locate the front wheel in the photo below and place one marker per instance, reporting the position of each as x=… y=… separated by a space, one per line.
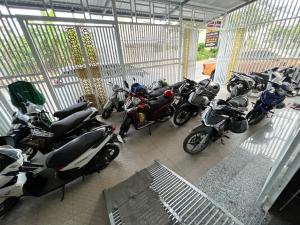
x=255 y=117
x=181 y=117
x=125 y=127
x=106 y=113
x=196 y=142
x=30 y=152
x=7 y=204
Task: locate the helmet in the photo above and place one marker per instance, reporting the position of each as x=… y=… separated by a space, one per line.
x=137 y=88
x=238 y=125
x=168 y=94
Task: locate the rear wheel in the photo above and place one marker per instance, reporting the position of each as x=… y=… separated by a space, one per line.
x=196 y=142
x=255 y=117
x=181 y=117
x=7 y=204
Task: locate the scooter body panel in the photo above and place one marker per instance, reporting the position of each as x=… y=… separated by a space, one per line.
x=83 y=159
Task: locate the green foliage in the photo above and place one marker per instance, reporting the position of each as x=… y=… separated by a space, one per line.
x=205 y=53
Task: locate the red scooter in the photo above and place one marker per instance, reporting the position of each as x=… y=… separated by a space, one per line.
x=143 y=112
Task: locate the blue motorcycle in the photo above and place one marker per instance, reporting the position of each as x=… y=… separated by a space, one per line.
x=270 y=98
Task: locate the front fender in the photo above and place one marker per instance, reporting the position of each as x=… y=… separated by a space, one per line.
x=188 y=107
x=202 y=127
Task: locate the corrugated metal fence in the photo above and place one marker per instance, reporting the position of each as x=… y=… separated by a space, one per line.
x=262 y=35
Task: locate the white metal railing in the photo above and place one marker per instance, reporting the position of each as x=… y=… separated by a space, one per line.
x=270 y=37
x=36 y=49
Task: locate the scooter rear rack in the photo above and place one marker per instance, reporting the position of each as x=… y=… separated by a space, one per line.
x=184 y=203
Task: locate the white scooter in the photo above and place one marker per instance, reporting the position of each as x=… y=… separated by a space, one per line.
x=83 y=155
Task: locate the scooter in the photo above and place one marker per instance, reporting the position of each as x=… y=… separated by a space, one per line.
x=31 y=139
x=244 y=83
x=219 y=117
x=270 y=98
x=204 y=92
x=114 y=101
x=142 y=112
x=91 y=152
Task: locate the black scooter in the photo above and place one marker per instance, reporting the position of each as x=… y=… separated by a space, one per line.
x=219 y=117
x=198 y=99
x=88 y=153
x=31 y=139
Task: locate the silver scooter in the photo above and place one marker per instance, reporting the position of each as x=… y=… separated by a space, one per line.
x=114 y=101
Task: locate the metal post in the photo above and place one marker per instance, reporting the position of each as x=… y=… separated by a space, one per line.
x=39 y=61
x=180 y=46
x=118 y=39
x=86 y=61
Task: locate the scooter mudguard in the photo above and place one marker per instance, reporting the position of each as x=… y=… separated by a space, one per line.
x=189 y=107
x=203 y=127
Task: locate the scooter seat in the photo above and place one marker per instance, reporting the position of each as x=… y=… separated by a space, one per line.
x=239 y=101
x=61 y=127
x=158 y=92
x=157 y=103
x=177 y=85
x=70 y=110
x=64 y=155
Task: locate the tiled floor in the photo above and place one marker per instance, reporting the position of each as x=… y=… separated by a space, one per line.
x=84 y=203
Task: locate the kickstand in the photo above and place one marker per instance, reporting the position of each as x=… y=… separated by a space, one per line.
x=83 y=178
x=150 y=129
x=63 y=193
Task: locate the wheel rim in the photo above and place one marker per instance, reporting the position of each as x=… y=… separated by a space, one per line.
x=182 y=117
x=197 y=142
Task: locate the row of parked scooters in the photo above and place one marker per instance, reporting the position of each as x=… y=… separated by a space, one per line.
x=77 y=143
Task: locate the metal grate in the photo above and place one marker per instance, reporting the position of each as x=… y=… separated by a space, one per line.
x=184 y=202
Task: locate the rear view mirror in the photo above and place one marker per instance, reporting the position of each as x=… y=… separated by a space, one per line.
x=126 y=84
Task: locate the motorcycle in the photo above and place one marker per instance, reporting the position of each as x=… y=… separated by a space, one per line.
x=270 y=98
x=31 y=139
x=88 y=153
x=143 y=112
x=291 y=76
x=182 y=92
x=219 y=117
x=114 y=101
x=204 y=92
x=241 y=83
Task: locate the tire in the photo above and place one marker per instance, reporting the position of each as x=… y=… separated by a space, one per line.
x=111 y=151
x=106 y=113
x=30 y=152
x=125 y=127
x=8 y=204
x=200 y=135
x=255 y=117
x=229 y=87
x=181 y=117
